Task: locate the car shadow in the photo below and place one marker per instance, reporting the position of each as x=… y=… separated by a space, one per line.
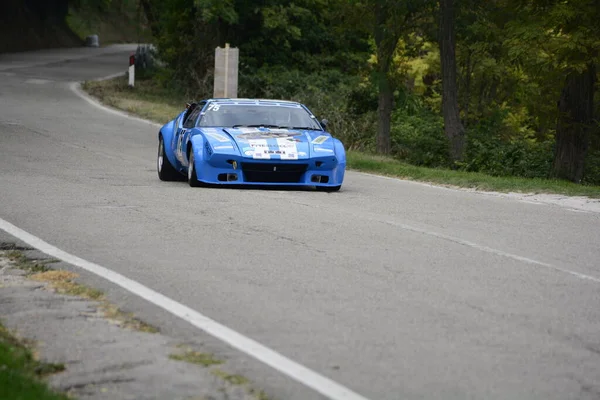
x=264 y=187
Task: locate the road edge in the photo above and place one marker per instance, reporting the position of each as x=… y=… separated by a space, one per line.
x=569 y=203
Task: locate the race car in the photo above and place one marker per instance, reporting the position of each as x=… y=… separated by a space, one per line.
x=250 y=142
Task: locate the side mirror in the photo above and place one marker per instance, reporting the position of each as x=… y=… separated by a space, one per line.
x=324 y=123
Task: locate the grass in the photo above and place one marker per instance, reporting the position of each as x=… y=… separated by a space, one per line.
x=194 y=357
x=127 y=320
x=64 y=282
x=21 y=375
x=387 y=166
x=148 y=100
x=229 y=378
x=208 y=360
x=20 y=261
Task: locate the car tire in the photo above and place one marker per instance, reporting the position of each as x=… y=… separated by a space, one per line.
x=166 y=171
x=191 y=176
x=328 y=189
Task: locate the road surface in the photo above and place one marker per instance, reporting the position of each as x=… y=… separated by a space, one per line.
x=393 y=289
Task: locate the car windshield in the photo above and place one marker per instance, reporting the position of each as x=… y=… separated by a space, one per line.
x=238 y=115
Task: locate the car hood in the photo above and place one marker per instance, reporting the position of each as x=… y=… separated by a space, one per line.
x=275 y=143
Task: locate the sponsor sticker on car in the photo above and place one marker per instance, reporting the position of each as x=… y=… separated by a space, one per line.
x=218 y=136
x=320 y=139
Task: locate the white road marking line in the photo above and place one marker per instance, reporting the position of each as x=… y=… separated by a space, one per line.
x=493 y=251
x=536 y=203
x=579 y=211
x=328 y=388
x=542 y=199
x=76 y=88
x=38 y=81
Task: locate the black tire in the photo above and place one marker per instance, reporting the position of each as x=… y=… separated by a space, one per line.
x=192 y=177
x=328 y=189
x=166 y=171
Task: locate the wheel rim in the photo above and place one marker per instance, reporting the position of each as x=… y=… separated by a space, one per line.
x=191 y=166
x=160 y=160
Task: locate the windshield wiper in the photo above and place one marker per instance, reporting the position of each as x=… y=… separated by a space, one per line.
x=258 y=126
x=305 y=128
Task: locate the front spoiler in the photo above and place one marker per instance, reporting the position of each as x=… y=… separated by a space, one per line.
x=232 y=170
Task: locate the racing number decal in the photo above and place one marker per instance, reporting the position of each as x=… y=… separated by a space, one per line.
x=213 y=107
x=179 y=147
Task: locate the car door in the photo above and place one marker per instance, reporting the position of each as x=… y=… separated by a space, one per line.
x=181 y=134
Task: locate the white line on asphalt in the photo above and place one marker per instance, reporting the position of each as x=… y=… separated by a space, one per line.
x=492 y=250
x=307 y=377
x=76 y=88
x=590 y=205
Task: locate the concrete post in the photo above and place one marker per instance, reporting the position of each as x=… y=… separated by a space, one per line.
x=226 y=72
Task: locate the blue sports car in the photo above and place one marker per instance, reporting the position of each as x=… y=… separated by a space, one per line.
x=250 y=142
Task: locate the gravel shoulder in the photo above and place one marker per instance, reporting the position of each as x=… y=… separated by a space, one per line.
x=107 y=354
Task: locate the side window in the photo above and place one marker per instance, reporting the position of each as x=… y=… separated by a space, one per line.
x=191 y=120
x=200 y=107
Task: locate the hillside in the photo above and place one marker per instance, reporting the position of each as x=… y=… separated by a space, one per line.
x=34 y=24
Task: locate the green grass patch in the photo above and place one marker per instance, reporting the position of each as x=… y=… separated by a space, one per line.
x=20 y=261
x=232 y=379
x=391 y=167
x=208 y=360
x=64 y=282
x=21 y=375
x=148 y=100
x=194 y=357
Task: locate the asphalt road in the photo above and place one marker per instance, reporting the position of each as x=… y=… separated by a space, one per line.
x=393 y=289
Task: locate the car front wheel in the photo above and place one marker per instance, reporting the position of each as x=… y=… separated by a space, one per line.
x=192 y=177
x=166 y=171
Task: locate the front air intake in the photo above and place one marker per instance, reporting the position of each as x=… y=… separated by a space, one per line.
x=273 y=172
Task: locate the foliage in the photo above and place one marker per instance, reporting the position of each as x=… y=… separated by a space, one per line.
x=418 y=138
x=512 y=57
x=153 y=103
x=493 y=156
x=21 y=373
x=114 y=21
x=326 y=94
x=476 y=180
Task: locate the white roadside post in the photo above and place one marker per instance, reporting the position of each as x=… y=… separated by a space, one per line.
x=132 y=70
x=226 y=72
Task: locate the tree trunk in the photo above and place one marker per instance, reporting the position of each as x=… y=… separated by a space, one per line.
x=467 y=90
x=574 y=125
x=386 y=40
x=384 y=110
x=452 y=126
x=150 y=17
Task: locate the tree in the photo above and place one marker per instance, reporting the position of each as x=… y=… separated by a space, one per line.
x=387 y=32
x=453 y=127
x=386 y=21
x=577 y=23
x=565 y=38
x=575 y=124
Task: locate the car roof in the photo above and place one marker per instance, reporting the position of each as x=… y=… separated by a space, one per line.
x=254 y=101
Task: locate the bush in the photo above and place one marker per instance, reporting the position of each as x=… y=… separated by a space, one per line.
x=592 y=168
x=492 y=151
x=419 y=139
x=326 y=93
